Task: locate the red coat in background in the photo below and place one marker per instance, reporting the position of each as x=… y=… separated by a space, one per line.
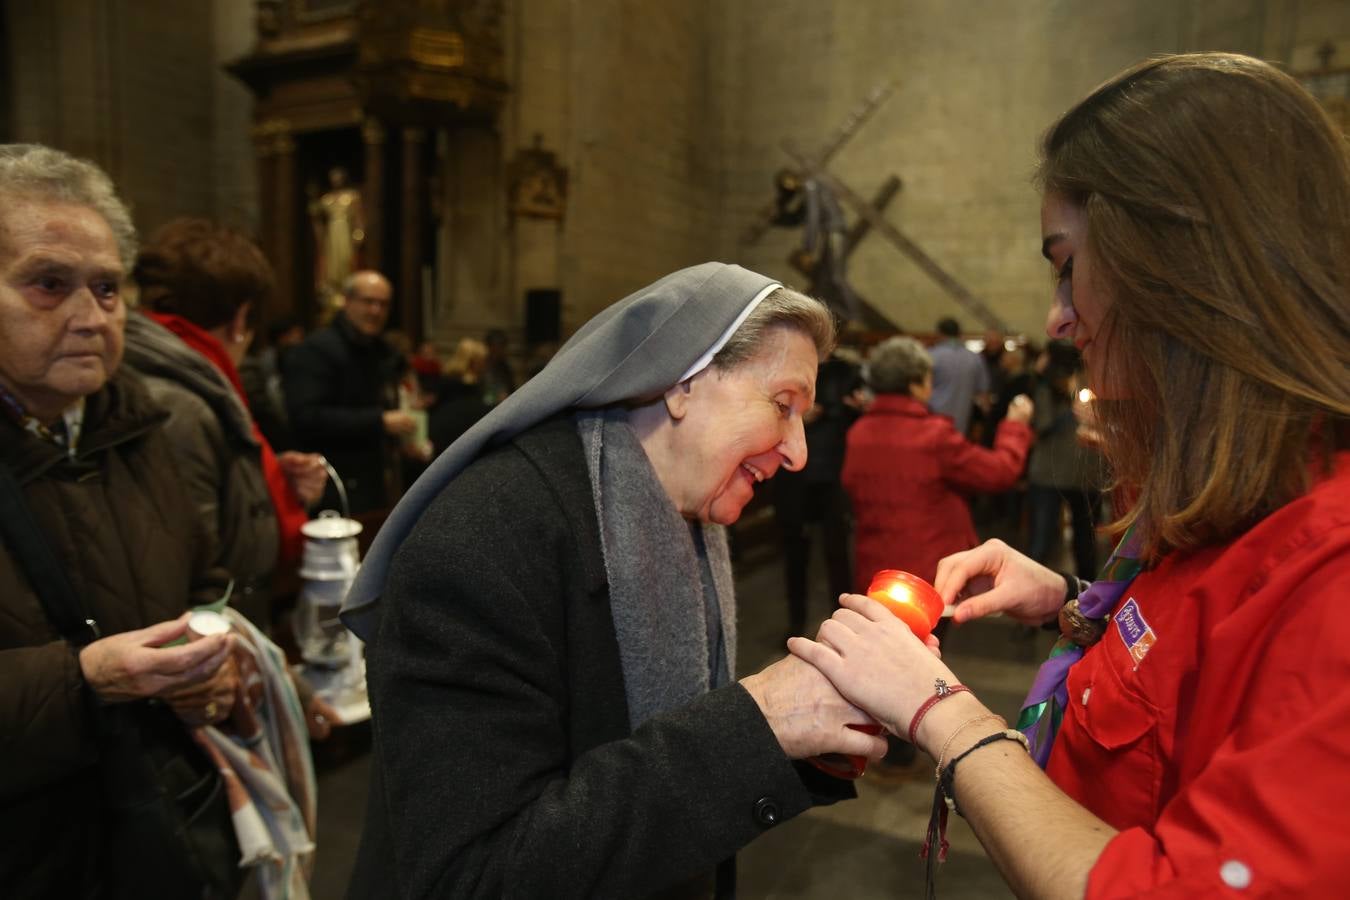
x=908 y=472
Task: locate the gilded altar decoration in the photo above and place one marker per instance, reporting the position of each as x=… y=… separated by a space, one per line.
x=339 y=224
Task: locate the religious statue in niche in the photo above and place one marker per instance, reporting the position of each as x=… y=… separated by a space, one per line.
x=339 y=224
x=538 y=184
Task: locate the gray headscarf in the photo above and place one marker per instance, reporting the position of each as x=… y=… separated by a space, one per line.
x=637 y=347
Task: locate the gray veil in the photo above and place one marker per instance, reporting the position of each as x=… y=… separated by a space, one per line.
x=637 y=347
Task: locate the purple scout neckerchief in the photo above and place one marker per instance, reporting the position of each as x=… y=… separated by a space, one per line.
x=1043 y=710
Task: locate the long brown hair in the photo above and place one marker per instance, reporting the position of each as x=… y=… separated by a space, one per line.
x=1217 y=198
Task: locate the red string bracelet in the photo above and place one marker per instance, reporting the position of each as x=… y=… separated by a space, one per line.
x=941 y=691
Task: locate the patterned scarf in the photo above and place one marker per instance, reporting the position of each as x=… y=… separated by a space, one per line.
x=1043 y=710
x=66 y=431
x=263 y=754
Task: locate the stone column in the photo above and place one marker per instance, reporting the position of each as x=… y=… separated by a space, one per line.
x=264 y=149
x=410 y=232
x=285 y=194
x=372 y=134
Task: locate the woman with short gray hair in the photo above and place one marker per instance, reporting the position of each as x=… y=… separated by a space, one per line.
x=101 y=556
x=897 y=364
x=909 y=471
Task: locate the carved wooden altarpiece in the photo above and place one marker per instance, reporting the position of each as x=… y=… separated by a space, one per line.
x=364 y=85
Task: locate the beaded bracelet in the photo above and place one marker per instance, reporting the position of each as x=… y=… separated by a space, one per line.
x=941 y=691
x=935 y=844
x=962 y=727
x=946 y=781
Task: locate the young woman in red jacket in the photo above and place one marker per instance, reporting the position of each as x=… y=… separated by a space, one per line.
x=1194 y=720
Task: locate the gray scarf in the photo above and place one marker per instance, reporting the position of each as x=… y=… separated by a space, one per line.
x=670 y=586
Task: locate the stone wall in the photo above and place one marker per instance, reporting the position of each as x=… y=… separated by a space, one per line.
x=669 y=117
x=977 y=81
x=622 y=88
x=136 y=86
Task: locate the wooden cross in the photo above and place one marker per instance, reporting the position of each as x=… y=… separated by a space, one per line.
x=873 y=216
x=833 y=144
x=802 y=261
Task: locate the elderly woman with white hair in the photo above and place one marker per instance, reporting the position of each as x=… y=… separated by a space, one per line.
x=909 y=472
x=552 y=625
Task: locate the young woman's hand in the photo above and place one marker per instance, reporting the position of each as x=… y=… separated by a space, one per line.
x=995 y=578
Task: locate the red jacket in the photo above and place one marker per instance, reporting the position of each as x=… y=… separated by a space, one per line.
x=1221 y=747
x=907 y=472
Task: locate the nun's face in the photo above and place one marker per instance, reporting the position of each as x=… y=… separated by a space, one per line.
x=734 y=429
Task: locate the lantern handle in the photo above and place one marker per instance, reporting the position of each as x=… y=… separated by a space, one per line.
x=341 y=490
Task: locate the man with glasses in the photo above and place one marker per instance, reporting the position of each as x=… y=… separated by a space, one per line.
x=342 y=393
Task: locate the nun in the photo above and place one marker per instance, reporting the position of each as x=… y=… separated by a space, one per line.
x=551 y=627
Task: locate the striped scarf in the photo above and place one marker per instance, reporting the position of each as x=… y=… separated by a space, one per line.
x=1043 y=710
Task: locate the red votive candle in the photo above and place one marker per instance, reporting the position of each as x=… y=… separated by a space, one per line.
x=909 y=598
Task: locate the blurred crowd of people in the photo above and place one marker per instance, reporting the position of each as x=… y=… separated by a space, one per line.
x=358 y=393
x=918 y=452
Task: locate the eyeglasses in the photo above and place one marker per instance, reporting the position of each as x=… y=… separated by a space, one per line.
x=380 y=302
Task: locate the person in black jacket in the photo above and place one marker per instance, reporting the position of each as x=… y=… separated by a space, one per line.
x=815 y=495
x=342 y=393
x=459 y=401
x=85 y=447
x=551 y=619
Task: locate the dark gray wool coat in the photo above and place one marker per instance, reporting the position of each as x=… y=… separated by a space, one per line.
x=504 y=765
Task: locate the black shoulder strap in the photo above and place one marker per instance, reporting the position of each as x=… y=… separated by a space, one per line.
x=20 y=531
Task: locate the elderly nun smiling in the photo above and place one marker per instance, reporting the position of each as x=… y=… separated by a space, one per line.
x=713 y=436
x=551 y=622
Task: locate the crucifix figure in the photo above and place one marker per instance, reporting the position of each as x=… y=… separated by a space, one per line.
x=870 y=214
x=809 y=192
x=802 y=200
x=823 y=253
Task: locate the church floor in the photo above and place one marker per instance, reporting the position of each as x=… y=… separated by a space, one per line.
x=864 y=849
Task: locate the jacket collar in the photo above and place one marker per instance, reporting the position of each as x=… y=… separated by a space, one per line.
x=119 y=412
x=898 y=405
x=343 y=326
x=171 y=348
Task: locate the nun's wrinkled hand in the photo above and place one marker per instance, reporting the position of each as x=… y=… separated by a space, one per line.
x=806 y=713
